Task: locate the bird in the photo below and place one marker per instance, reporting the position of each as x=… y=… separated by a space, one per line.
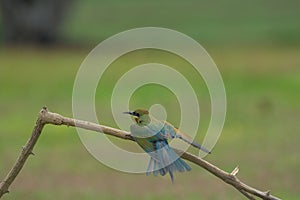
x=152 y=136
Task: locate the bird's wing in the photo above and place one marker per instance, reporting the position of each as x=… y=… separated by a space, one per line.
x=146 y=145
x=157 y=129
x=145 y=136
x=142 y=131
x=164 y=129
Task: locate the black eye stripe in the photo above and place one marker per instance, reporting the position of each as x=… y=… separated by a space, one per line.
x=136 y=114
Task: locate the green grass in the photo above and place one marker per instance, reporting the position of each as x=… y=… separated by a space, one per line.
x=212 y=23
x=260 y=134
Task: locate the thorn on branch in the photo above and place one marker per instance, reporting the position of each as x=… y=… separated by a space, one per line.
x=30 y=153
x=44 y=110
x=235 y=171
x=268 y=192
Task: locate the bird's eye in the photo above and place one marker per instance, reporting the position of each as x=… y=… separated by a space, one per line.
x=136 y=114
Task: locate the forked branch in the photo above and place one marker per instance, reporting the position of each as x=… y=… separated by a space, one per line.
x=46 y=117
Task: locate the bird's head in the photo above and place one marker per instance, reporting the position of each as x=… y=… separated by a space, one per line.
x=140 y=116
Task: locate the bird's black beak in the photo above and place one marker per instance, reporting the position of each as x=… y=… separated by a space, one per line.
x=130 y=113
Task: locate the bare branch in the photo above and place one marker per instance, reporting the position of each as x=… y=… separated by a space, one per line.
x=26 y=151
x=46 y=117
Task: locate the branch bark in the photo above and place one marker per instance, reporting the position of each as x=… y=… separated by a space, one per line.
x=46 y=117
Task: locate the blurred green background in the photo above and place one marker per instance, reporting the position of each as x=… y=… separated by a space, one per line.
x=256 y=47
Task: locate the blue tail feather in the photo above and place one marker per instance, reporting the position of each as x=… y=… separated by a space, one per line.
x=164 y=160
x=171 y=175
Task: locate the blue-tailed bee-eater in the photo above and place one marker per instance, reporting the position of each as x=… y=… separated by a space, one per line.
x=152 y=135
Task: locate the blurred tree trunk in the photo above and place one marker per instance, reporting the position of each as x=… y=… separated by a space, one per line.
x=33 y=21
